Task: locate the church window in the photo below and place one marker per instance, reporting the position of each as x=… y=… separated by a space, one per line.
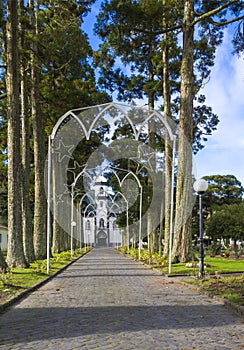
x=101 y=190
x=88 y=225
x=101 y=223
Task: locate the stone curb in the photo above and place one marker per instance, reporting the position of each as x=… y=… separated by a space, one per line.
x=26 y=292
x=233 y=307
x=238 y=309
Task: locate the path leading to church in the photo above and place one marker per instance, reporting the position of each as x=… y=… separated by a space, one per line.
x=107 y=301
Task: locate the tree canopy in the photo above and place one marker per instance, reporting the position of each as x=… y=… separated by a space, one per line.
x=161 y=51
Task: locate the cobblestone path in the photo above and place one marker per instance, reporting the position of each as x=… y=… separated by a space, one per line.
x=106 y=301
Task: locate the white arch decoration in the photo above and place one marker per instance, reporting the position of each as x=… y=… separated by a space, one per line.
x=103 y=108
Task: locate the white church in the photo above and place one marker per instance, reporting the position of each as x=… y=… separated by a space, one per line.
x=99 y=224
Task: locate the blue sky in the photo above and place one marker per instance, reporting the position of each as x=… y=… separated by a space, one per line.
x=224 y=151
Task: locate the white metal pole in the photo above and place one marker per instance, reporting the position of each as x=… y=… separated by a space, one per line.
x=84 y=234
x=127 y=225
x=172 y=205
x=79 y=213
x=72 y=220
x=49 y=202
x=140 y=213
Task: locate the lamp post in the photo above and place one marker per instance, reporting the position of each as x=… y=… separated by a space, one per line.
x=200 y=186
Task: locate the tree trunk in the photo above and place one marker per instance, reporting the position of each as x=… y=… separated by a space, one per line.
x=39 y=148
x=182 y=230
x=55 y=190
x=3 y=264
x=26 y=210
x=168 y=181
x=56 y=240
x=168 y=147
x=15 y=255
x=151 y=232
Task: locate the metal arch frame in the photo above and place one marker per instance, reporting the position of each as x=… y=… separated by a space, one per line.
x=111 y=211
x=87 y=207
x=112 y=104
x=140 y=205
x=107 y=107
x=61 y=119
x=90 y=204
x=87 y=135
x=140 y=209
x=157 y=114
x=127 y=214
x=73 y=195
x=79 y=205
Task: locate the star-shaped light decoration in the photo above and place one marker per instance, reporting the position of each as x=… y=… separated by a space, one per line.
x=67 y=189
x=144 y=158
x=59 y=198
x=64 y=151
x=76 y=166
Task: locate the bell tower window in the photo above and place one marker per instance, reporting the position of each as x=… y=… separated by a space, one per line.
x=101 y=223
x=88 y=225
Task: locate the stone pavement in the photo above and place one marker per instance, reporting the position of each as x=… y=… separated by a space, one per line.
x=107 y=301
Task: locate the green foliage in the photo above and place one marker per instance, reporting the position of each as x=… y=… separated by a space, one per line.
x=213 y=264
x=155 y=258
x=67 y=78
x=18 y=279
x=133 y=32
x=238 y=39
x=222 y=189
x=215 y=248
x=227 y=222
x=39 y=266
x=123 y=249
x=231 y=288
x=222 y=208
x=3 y=205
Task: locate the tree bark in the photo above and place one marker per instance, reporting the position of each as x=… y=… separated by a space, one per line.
x=182 y=230
x=168 y=147
x=3 y=264
x=151 y=232
x=39 y=147
x=26 y=210
x=15 y=255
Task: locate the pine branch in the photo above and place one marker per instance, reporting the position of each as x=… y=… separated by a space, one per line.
x=3 y=95
x=220 y=24
x=214 y=12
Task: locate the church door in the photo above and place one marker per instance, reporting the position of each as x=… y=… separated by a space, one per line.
x=102 y=239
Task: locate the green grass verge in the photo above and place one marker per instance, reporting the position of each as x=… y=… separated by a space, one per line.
x=16 y=280
x=213 y=266
x=215 y=282
x=231 y=288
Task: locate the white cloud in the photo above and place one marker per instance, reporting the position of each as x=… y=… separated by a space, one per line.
x=224 y=152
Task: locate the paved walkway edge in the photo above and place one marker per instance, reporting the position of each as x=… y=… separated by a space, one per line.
x=228 y=304
x=238 y=309
x=27 y=291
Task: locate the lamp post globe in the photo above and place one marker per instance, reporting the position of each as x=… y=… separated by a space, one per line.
x=200 y=186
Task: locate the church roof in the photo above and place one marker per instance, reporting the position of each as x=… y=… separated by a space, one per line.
x=101 y=180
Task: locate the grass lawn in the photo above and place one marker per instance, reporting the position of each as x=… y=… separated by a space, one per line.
x=17 y=280
x=215 y=265
x=216 y=270
x=231 y=288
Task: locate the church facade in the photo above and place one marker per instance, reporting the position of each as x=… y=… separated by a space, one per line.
x=99 y=224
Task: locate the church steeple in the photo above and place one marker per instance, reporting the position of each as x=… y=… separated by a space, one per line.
x=102 y=230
